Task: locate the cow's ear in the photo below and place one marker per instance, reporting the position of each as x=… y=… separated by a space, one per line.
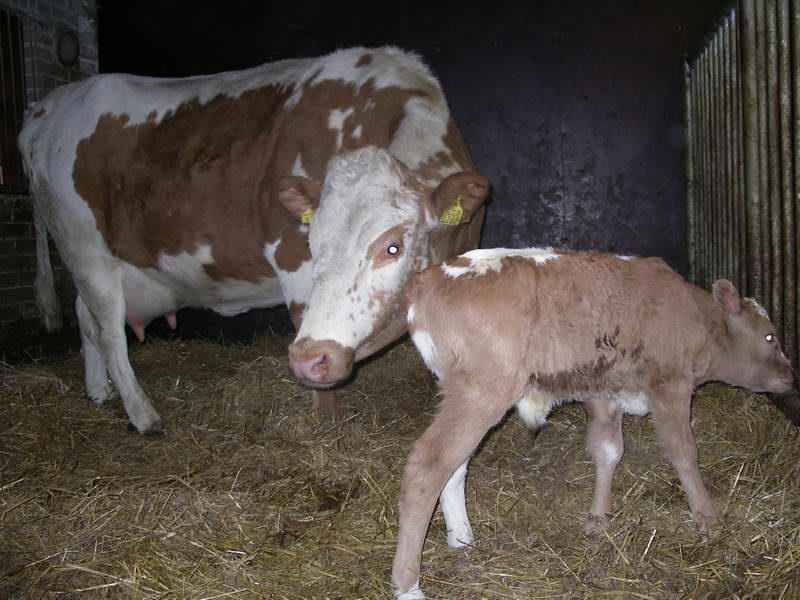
x=726 y=294
x=458 y=197
x=299 y=196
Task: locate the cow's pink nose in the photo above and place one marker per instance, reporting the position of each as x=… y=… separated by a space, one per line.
x=311 y=368
x=320 y=364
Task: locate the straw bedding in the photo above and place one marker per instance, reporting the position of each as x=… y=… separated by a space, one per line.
x=249 y=495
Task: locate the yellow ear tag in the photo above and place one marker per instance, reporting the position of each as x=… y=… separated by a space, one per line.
x=305 y=216
x=453 y=215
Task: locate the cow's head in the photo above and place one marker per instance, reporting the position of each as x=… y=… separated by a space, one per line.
x=369 y=233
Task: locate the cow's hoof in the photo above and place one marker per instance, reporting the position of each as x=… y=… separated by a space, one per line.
x=413 y=594
x=156 y=428
x=596 y=525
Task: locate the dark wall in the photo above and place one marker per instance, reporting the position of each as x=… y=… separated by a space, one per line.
x=572 y=109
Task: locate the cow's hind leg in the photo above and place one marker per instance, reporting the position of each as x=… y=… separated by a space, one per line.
x=103 y=314
x=438 y=456
x=98 y=387
x=605 y=445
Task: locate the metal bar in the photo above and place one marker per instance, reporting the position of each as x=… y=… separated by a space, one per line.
x=725 y=117
x=763 y=162
x=740 y=235
x=741 y=180
x=795 y=83
x=707 y=179
x=713 y=114
x=689 y=157
x=750 y=138
x=719 y=161
x=787 y=189
x=699 y=190
x=772 y=105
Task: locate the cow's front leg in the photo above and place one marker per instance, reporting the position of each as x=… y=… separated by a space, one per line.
x=671 y=408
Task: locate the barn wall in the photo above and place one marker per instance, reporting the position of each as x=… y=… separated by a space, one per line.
x=21 y=335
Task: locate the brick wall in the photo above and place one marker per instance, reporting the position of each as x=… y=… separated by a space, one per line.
x=21 y=334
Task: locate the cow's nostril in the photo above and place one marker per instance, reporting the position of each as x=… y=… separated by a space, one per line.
x=319 y=365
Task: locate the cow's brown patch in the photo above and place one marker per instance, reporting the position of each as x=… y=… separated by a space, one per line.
x=208 y=173
x=296 y=313
x=364 y=60
x=39 y=113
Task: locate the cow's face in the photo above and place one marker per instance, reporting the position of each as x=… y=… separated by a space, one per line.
x=368 y=234
x=754 y=358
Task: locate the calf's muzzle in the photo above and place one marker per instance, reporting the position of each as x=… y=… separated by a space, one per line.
x=320 y=364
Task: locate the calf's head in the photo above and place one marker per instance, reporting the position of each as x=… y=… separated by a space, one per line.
x=753 y=356
x=369 y=233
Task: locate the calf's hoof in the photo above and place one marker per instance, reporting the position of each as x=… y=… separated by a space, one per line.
x=596 y=525
x=706 y=521
x=459 y=538
x=412 y=594
x=157 y=427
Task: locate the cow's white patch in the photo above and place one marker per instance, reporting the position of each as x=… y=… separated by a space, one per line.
x=296 y=285
x=336 y=119
x=633 y=403
x=611 y=452
x=297 y=168
x=454 y=509
x=758 y=308
x=624 y=257
x=410 y=314
x=427 y=349
x=534 y=408
x=356 y=132
x=184 y=275
x=484 y=260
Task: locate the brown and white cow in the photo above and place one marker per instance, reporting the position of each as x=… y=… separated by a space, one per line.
x=207 y=191
x=535 y=327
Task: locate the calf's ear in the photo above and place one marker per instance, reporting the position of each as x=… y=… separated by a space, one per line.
x=299 y=196
x=726 y=294
x=458 y=197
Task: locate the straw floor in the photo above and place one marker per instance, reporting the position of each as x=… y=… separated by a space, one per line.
x=249 y=495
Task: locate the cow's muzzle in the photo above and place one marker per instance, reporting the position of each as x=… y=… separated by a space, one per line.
x=320 y=364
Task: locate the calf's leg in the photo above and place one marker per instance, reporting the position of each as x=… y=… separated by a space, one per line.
x=464 y=418
x=454 y=509
x=671 y=408
x=605 y=445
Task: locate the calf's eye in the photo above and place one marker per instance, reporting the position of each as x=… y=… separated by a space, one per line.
x=769 y=337
x=393 y=250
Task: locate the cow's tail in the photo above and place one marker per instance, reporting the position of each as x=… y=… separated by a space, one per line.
x=46 y=298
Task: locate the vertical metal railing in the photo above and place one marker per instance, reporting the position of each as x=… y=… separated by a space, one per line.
x=12 y=101
x=743 y=158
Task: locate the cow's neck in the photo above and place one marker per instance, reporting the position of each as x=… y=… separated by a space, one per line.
x=713 y=362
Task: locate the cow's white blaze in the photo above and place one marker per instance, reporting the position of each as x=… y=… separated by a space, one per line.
x=357 y=282
x=484 y=260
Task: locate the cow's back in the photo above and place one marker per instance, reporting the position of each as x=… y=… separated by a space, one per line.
x=549 y=316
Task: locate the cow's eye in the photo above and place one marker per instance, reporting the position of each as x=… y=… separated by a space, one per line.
x=394 y=250
x=769 y=337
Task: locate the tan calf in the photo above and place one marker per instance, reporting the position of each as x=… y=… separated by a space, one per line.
x=535 y=327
